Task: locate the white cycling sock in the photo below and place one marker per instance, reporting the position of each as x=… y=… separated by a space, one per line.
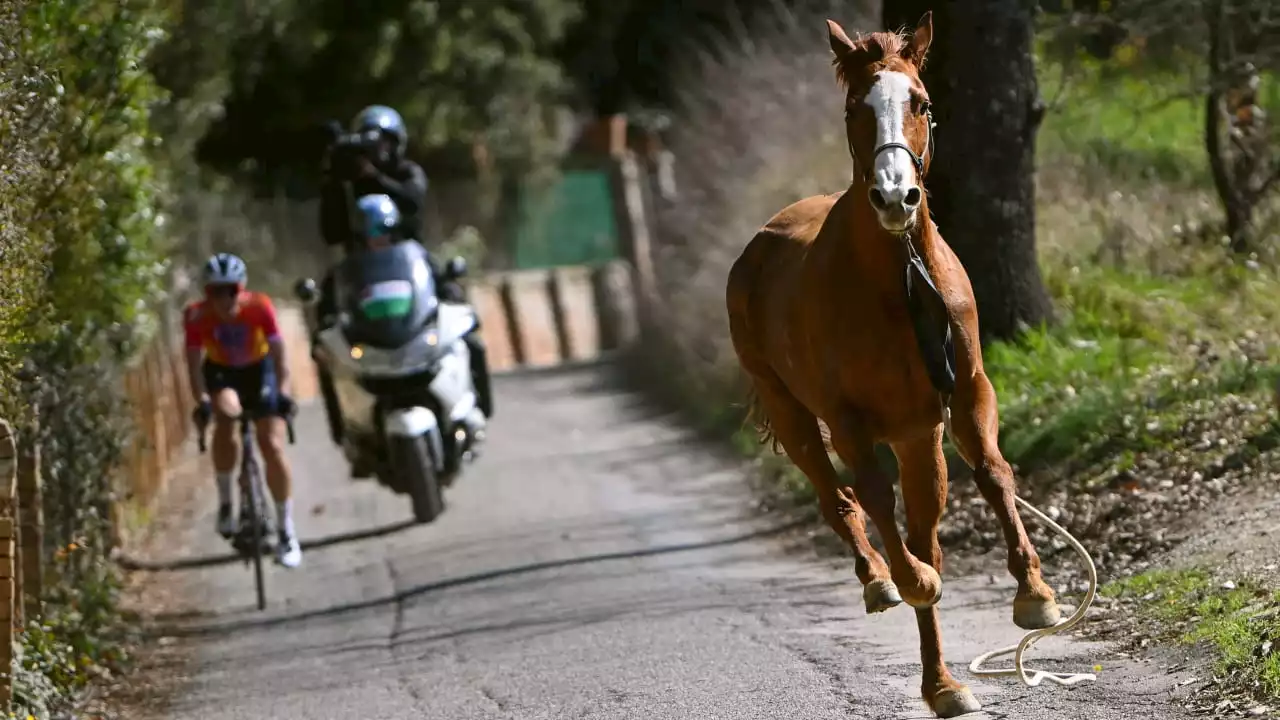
x=224 y=489
x=284 y=517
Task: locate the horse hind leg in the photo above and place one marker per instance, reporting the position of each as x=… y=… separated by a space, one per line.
x=919 y=584
x=974 y=429
x=782 y=419
x=922 y=473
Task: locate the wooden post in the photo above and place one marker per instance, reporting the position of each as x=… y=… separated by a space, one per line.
x=578 y=313
x=615 y=300
x=29 y=583
x=8 y=483
x=632 y=211
x=155 y=422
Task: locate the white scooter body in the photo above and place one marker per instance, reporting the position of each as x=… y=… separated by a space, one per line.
x=452 y=429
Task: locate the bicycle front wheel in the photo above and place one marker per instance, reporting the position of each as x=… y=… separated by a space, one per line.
x=258 y=535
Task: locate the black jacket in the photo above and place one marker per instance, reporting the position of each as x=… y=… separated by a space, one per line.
x=405 y=183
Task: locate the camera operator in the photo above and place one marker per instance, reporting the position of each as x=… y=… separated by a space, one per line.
x=370 y=160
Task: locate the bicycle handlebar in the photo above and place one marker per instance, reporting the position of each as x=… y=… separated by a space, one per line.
x=244 y=429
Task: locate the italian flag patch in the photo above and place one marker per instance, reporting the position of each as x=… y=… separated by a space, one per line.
x=389 y=299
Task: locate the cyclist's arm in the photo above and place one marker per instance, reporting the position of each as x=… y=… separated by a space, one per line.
x=275 y=345
x=195 y=355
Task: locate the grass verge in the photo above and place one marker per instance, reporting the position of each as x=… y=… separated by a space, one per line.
x=1238 y=623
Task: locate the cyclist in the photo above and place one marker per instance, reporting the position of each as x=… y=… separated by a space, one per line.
x=236 y=363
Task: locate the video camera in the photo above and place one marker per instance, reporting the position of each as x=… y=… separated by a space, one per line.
x=344 y=149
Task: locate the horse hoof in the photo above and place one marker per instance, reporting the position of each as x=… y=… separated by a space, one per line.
x=1035 y=613
x=954 y=703
x=880 y=595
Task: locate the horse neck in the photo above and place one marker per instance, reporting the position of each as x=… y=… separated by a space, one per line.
x=862 y=243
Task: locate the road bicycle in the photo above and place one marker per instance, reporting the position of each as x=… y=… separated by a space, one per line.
x=252 y=539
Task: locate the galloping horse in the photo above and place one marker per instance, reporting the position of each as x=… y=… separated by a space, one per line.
x=851 y=309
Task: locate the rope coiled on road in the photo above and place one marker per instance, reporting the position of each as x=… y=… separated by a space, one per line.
x=1036 y=676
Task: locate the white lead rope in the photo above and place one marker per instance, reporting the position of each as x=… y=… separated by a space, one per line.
x=1036 y=676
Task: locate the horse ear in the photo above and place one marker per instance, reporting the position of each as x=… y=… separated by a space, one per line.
x=918 y=46
x=849 y=56
x=841 y=45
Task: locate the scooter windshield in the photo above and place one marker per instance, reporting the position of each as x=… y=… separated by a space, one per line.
x=387 y=295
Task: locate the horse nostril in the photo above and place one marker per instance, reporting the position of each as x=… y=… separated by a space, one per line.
x=877 y=198
x=913 y=198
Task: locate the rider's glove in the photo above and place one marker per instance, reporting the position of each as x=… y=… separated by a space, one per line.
x=203 y=413
x=286 y=406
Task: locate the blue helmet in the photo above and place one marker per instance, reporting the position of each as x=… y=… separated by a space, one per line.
x=386 y=121
x=379 y=215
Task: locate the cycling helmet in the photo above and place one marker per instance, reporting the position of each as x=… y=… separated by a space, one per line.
x=225 y=269
x=379 y=215
x=386 y=121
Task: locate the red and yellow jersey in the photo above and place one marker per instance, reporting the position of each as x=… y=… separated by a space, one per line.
x=238 y=342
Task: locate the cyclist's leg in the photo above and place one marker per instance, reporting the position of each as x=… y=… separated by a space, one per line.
x=271 y=430
x=220 y=382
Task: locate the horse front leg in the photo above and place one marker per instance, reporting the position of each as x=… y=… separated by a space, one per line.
x=975 y=430
x=922 y=473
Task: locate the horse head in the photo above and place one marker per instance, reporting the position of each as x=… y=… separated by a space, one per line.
x=887 y=118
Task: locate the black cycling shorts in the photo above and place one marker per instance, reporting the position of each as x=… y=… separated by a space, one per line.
x=256 y=385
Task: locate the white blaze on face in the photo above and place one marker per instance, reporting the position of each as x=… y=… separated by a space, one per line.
x=895 y=172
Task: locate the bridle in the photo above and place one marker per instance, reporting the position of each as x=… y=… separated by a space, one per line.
x=917 y=160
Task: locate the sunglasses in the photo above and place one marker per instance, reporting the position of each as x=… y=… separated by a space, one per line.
x=222 y=290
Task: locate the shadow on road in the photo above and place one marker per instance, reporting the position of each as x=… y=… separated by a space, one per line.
x=205 y=561
x=412 y=592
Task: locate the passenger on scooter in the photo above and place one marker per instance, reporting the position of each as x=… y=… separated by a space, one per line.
x=371 y=161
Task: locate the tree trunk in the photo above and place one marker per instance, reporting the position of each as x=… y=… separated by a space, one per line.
x=1227 y=164
x=982 y=181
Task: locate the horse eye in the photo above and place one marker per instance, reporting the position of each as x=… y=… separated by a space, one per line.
x=925 y=107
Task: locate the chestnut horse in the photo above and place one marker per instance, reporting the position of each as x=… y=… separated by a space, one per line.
x=851 y=309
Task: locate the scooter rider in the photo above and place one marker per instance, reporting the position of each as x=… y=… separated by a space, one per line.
x=371 y=161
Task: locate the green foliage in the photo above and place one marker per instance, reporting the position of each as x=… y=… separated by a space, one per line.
x=100 y=199
x=81 y=234
x=459 y=73
x=22 y=251
x=1126 y=356
x=81 y=638
x=1127 y=118
x=100 y=192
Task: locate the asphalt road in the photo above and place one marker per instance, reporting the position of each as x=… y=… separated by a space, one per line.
x=597 y=562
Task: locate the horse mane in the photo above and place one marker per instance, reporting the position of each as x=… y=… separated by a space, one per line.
x=871 y=48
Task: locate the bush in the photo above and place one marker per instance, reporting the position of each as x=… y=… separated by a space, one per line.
x=102 y=190
x=82 y=234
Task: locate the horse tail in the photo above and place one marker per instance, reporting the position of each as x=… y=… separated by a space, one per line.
x=759 y=419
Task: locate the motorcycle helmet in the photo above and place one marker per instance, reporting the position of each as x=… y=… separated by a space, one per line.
x=379 y=216
x=386 y=121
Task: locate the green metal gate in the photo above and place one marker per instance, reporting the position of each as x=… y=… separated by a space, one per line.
x=570 y=222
